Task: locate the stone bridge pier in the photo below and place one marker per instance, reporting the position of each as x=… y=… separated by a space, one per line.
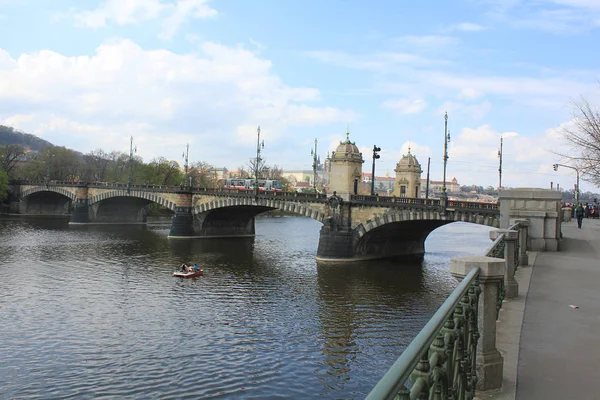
x=81 y=212
x=182 y=223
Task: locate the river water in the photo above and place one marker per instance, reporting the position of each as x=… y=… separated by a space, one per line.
x=93 y=312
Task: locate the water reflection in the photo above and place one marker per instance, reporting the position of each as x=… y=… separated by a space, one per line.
x=97 y=312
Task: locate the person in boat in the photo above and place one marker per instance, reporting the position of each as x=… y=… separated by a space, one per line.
x=194 y=268
x=184 y=268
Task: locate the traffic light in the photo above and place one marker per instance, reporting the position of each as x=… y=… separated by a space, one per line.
x=375 y=151
x=555 y=166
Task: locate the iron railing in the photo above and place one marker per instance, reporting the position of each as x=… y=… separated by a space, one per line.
x=440 y=363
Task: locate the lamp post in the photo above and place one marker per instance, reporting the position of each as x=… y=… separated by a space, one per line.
x=577 y=185
x=446 y=140
x=500 y=166
x=185 y=157
x=375 y=157
x=131 y=151
x=259 y=145
x=314 y=154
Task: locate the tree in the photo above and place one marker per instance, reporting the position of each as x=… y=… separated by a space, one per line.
x=10 y=154
x=203 y=175
x=96 y=164
x=583 y=137
x=3 y=185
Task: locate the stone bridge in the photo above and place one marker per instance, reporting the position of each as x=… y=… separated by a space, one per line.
x=363 y=227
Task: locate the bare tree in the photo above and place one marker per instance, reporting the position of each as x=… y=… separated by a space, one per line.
x=10 y=155
x=584 y=138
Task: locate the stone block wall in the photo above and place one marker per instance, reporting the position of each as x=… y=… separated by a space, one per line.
x=542 y=207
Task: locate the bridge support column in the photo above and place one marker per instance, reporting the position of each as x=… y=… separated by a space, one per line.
x=335 y=244
x=490 y=363
x=337 y=240
x=510 y=257
x=81 y=214
x=182 y=224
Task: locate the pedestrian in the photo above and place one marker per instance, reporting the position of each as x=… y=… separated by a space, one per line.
x=579 y=215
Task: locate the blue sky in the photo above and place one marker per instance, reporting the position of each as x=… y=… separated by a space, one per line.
x=89 y=74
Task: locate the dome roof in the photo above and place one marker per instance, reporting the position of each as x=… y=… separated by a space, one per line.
x=408 y=161
x=347 y=150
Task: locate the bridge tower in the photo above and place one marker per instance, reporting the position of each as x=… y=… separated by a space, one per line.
x=346 y=170
x=408 y=176
x=81 y=212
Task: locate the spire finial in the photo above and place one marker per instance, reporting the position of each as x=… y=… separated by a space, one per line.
x=408 y=147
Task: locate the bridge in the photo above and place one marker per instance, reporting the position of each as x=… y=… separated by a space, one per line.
x=356 y=228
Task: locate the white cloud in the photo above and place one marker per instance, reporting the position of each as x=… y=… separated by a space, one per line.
x=428 y=40
x=467 y=27
x=469 y=93
x=213 y=99
x=406 y=106
x=127 y=12
x=527 y=160
x=379 y=62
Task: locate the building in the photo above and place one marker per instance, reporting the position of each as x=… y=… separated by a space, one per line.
x=346 y=170
x=408 y=176
x=435 y=187
x=384 y=185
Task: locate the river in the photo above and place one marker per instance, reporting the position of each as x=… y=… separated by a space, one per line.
x=93 y=311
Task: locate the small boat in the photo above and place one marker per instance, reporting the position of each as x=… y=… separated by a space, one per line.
x=188 y=274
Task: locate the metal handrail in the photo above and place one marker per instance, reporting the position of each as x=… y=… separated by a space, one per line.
x=394 y=381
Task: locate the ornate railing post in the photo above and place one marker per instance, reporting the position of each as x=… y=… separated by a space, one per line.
x=523 y=232
x=511 y=286
x=489 y=361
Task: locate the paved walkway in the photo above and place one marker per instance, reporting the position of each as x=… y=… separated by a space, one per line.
x=559 y=354
x=551 y=350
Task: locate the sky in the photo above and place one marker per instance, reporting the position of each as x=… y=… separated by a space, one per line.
x=90 y=74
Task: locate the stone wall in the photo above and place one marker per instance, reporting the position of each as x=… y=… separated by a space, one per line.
x=542 y=207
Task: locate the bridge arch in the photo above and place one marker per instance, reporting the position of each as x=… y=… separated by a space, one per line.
x=417 y=215
x=263 y=205
x=150 y=196
x=56 y=189
x=403 y=233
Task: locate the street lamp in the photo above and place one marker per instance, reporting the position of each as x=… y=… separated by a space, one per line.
x=185 y=157
x=555 y=166
x=259 y=145
x=131 y=151
x=375 y=157
x=446 y=140
x=314 y=154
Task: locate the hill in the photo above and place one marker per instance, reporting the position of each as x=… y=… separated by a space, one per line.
x=10 y=135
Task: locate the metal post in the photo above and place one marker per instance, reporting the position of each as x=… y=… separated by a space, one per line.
x=576 y=171
x=131 y=151
x=500 y=167
x=375 y=157
x=258 y=146
x=185 y=156
x=314 y=154
x=445 y=152
x=427 y=183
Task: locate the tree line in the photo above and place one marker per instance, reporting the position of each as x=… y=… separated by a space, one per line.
x=55 y=163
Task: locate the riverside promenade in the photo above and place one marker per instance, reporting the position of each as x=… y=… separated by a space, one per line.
x=552 y=350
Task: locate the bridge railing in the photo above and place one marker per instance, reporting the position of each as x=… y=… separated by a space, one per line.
x=418 y=202
x=429 y=367
x=470 y=205
x=442 y=357
x=393 y=200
